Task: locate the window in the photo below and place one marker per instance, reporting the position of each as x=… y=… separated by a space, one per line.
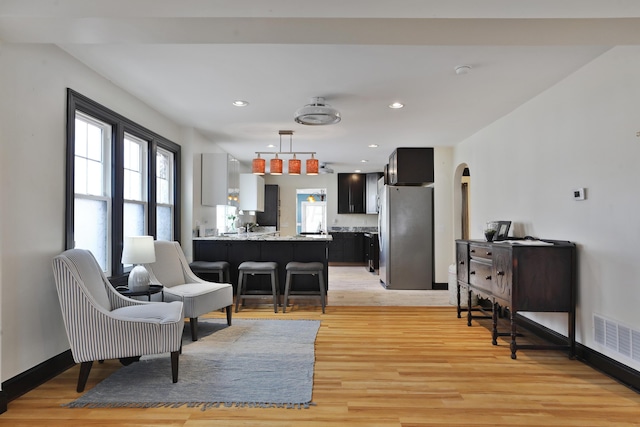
x=122 y=180
x=164 y=198
x=92 y=166
x=134 y=216
x=314 y=217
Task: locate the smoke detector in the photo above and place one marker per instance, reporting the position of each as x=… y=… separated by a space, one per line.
x=317 y=113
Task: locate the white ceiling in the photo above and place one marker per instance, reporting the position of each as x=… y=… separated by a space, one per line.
x=191 y=59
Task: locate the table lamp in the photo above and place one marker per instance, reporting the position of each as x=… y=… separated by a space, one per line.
x=138 y=250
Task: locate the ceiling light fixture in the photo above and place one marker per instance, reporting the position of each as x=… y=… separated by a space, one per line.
x=276 y=163
x=257 y=165
x=373 y=145
x=240 y=103
x=462 y=69
x=396 y=105
x=317 y=113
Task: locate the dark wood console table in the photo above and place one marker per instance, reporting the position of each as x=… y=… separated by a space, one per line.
x=524 y=275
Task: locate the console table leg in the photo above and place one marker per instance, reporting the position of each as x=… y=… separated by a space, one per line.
x=469 y=308
x=494 y=318
x=458 y=292
x=513 y=345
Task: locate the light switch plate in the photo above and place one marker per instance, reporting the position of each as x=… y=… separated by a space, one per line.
x=579 y=194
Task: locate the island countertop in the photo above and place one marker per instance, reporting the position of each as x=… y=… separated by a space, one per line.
x=268 y=236
x=237 y=248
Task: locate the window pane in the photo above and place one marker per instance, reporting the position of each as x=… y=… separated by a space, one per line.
x=81 y=138
x=80 y=178
x=164 y=177
x=90 y=229
x=95 y=138
x=135 y=170
x=133 y=221
x=164 y=223
x=95 y=181
x=133 y=185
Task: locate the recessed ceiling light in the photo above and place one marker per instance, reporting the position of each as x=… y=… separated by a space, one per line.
x=363 y=161
x=240 y=103
x=357 y=171
x=396 y=105
x=373 y=145
x=271 y=146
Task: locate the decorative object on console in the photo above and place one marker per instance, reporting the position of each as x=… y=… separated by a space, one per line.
x=317 y=113
x=502 y=230
x=138 y=250
x=258 y=163
x=490 y=230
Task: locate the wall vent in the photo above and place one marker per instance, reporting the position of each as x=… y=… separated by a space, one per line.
x=617 y=337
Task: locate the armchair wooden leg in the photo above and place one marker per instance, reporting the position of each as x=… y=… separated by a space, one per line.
x=175 y=355
x=193 y=323
x=85 y=368
x=229 y=308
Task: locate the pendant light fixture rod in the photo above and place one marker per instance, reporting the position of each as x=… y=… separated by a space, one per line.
x=285 y=152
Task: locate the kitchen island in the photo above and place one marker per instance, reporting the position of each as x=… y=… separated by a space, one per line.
x=237 y=248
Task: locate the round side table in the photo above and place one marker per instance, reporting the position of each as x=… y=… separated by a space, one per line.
x=153 y=289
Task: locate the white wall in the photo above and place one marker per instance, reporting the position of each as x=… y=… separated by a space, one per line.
x=579 y=133
x=33 y=87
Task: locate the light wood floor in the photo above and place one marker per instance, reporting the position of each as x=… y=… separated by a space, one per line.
x=384 y=366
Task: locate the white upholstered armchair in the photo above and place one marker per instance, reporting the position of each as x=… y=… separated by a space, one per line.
x=102 y=324
x=172 y=271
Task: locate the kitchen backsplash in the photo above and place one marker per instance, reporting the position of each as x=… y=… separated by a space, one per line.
x=353 y=230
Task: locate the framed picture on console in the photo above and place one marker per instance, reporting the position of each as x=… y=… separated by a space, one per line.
x=503 y=230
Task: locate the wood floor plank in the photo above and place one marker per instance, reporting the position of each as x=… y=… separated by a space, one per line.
x=388 y=367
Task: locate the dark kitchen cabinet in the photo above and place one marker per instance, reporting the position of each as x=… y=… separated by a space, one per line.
x=271 y=215
x=351 y=193
x=347 y=247
x=280 y=251
x=371 y=251
x=411 y=166
x=372 y=192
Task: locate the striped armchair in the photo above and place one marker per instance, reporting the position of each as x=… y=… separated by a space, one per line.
x=102 y=324
x=172 y=271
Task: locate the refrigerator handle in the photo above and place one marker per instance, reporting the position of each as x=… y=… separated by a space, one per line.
x=380 y=231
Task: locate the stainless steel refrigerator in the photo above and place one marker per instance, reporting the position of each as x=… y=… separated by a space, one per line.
x=405 y=227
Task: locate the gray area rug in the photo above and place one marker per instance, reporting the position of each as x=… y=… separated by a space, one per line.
x=253 y=363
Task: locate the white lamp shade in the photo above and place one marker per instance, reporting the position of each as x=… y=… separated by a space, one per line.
x=138 y=250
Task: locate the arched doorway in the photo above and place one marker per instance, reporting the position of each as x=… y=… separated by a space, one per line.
x=461 y=202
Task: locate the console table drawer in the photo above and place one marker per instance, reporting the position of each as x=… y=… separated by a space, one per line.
x=480 y=251
x=480 y=275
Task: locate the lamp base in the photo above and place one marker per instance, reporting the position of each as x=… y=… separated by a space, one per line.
x=139 y=279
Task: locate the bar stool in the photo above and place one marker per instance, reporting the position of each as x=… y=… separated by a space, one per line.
x=253 y=268
x=221 y=268
x=312 y=268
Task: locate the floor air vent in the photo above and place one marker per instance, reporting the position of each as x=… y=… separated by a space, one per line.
x=617 y=337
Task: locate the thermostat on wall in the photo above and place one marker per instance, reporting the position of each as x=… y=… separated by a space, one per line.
x=578 y=194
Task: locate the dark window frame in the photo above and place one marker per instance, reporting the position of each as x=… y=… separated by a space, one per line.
x=120 y=125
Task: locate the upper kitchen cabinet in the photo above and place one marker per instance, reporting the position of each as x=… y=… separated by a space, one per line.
x=351 y=193
x=220 y=179
x=358 y=193
x=251 y=192
x=372 y=192
x=270 y=217
x=411 y=166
